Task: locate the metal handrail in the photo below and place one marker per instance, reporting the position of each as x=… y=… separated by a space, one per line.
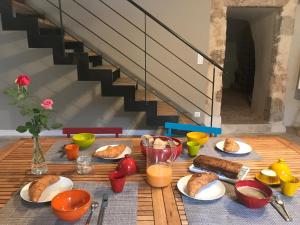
x=156 y=41
x=148 y=72
x=176 y=35
x=146 y=53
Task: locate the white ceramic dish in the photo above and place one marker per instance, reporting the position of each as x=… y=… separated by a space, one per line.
x=126 y=151
x=63 y=184
x=212 y=191
x=244 y=148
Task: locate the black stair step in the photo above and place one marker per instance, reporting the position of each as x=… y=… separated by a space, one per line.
x=50 y=31
x=138 y=106
x=125 y=81
x=95 y=59
x=46 y=24
x=160 y=120
x=23 y=9
x=42 y=33
x=77 y=46
x=105 y=67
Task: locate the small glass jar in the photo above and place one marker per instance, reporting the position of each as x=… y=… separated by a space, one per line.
x=84 y=164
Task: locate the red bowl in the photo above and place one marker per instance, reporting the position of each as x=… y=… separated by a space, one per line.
x=251 y=201
x=71 y=205
x=163 y=154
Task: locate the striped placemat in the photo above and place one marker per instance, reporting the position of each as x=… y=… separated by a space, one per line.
x=121 y=209
x=209 y=148
x=54 y=154
x=227 y=210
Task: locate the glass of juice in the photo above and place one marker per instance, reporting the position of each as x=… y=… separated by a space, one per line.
x=160 y=156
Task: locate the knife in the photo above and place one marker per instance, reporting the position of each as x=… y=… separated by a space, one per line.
x=104 y=204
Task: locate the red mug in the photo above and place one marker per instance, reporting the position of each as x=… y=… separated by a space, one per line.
x=72 y=151
x=117 y=181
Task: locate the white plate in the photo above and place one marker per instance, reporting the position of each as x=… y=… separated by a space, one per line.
x=127 y=150
x=244 y=148
x=212 y=191
x=63 y=184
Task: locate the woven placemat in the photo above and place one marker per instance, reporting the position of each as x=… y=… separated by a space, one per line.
x=228 y=211
x=210 y=149
x=53 y=155
x=121 y=209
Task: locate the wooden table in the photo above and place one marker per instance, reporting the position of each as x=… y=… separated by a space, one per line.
x=155 y=205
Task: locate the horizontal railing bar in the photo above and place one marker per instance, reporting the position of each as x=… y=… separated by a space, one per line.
x=97 y=36
x=142 y=50
x=128 y=57
x=93 y=14
x=155 y=77
x=156 y=41
x=175 y=34
x=176 y=74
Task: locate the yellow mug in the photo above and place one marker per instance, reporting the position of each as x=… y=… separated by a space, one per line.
x=289 y=187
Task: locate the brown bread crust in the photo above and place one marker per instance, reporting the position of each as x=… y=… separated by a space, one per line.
x=110 y=152
x=227 y=168
x=37 y=187
x=199 y=180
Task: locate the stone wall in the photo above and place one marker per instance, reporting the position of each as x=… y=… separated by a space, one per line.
x=281 y=50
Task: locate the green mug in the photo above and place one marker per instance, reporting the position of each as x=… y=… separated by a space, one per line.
x=193 y=148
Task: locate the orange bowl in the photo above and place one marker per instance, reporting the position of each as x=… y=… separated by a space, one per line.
x=199 y=137
x=71 y=205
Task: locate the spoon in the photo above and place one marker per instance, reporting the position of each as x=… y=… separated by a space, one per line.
x=93 y=207
x=281 y=203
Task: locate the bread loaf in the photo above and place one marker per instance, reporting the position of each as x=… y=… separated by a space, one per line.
x=37 y=187
x=227 y=168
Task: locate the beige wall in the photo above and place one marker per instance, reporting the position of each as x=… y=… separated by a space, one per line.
x=190 y=21
x=263 y=30
x=292 y=109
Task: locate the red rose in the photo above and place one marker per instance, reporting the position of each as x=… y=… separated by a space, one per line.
x=47 y=104
x=23 y=80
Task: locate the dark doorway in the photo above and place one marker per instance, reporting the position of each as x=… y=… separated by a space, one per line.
x=243 y=64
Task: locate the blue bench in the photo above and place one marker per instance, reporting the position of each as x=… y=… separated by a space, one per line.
x=189 y=127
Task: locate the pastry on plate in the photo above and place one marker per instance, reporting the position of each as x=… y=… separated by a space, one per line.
x=38 y=186
x=230 y=145
x=199 y=180
x=111 y=151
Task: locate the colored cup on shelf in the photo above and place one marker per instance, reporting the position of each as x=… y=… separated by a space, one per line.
x=117 y=181
x=72 y=151
x=290 y=187
x=193 y=148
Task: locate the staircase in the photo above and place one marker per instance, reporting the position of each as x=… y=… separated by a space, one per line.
x=66 y=50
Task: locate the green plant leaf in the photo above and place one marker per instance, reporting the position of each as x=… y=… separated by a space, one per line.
x=21 y=129
x=28 y=125
x=56 y=125
x=33 y=131
x=35 y=110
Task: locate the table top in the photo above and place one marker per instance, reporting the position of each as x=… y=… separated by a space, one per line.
x=15 y=163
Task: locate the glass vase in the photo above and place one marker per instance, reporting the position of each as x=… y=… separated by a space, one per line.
x=38 y=165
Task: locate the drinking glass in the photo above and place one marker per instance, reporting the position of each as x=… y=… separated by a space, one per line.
x=84 y=164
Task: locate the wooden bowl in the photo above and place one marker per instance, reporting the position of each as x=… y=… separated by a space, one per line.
x=71 y=205
x=250 y=199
